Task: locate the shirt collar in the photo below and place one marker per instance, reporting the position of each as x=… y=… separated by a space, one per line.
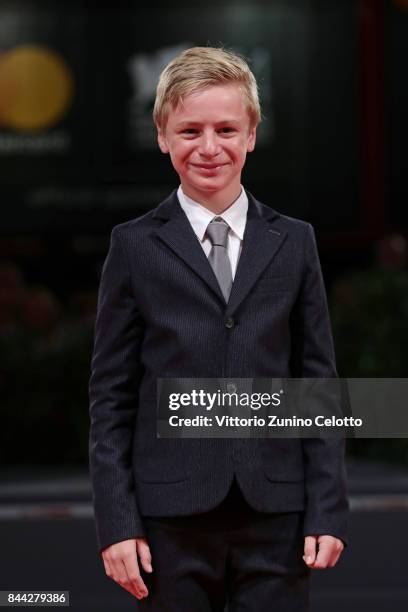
x=200 y=217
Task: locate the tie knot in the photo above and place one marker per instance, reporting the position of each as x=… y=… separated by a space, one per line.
x=217 y=232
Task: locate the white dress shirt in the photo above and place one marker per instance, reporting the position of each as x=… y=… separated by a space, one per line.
x=235 y=216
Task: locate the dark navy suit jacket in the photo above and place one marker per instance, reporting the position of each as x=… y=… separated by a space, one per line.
x=161 y=314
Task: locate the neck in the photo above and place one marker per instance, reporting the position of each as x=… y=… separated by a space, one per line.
x=216 y=202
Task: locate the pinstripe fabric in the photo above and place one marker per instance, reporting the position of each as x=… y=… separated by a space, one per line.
x=161 y=313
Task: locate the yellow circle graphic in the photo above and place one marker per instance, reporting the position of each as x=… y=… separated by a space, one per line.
x=36 y=88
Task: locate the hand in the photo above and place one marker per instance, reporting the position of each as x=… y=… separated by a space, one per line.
x=325 y=555
x=121 y=564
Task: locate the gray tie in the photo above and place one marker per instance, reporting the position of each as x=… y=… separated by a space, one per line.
x=217 y=232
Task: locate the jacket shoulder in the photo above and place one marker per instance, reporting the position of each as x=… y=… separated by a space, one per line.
x=138 y=224
x=284 y=223
x=292 y=224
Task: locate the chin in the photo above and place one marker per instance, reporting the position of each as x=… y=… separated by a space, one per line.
x=210 y=187
x=205 y=188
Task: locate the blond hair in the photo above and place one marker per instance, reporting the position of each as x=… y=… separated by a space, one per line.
x=198 y=68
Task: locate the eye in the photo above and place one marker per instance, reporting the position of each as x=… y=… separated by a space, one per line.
x=190 y=131
x=227 y=130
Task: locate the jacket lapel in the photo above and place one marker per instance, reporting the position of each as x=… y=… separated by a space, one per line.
x=179 y=236
x=262 y=239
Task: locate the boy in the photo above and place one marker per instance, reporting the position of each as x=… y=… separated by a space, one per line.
x=210 y=284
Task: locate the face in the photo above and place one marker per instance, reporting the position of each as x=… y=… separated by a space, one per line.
x=208 y=136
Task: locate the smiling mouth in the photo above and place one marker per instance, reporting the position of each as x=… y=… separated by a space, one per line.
x=208 y=166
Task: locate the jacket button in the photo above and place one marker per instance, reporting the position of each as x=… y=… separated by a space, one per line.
x=229 y=323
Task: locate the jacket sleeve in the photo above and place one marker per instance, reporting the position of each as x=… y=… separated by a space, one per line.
x=313 y=357
x=113 y=395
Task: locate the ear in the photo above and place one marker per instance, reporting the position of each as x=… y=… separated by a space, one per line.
x=161 y=139
x=251 y=139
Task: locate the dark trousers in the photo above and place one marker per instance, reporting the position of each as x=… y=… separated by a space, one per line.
x=232 y=555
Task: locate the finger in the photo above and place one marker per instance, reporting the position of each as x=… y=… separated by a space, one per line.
x=310 y=550
x=133 y=573
x=333 y=560
x=326 y=550
x=338 y=549
x=118 y=569
x=107 y=567
x=134 y=583
x=145 y=557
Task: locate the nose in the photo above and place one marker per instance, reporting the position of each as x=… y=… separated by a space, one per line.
x=209 y=146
